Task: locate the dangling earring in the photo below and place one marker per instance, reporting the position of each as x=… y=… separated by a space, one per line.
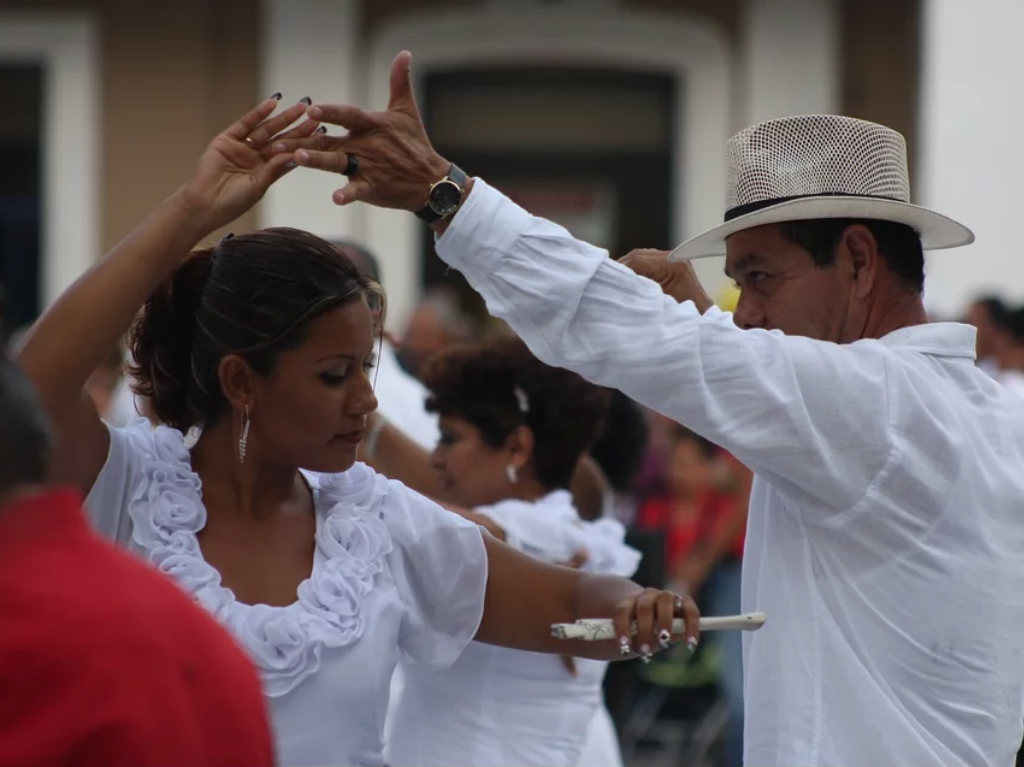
x=243 y=441
x=511 y=473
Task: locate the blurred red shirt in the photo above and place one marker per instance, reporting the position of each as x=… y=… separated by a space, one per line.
x=713 y=509
x=105 y=661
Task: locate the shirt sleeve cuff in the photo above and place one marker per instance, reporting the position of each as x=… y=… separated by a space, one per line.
x=483 y=230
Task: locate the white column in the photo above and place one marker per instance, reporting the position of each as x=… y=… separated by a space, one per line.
x=67 y=47
x=310 y=48
x=790 y=53
x=313 y=48
x=972 y=162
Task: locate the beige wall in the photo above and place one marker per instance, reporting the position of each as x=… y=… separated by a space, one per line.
x=881 y=50
x=172 y=75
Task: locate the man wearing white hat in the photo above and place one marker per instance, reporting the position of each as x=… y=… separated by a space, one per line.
x=886 y=531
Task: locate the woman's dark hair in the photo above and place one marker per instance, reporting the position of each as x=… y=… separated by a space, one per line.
x=899 y=244
x=622 y=447
x=500 y=385
x=253 y=295
x=25 y=435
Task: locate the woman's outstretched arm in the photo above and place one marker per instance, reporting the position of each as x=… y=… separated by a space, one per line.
x=525 y=596
x=67 y=343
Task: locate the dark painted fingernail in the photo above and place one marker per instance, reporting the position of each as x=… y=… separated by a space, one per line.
x=306 y=100
x=276 y=96
x=321 y=129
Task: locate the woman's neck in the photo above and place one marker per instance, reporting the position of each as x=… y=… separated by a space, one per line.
x=254 y=488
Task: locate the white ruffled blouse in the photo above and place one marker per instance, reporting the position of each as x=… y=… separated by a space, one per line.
x=390 y=567
x=496 y=706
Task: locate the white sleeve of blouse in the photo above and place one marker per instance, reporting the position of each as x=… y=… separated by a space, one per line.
x=439 y=564
x=534 y=531
x=107 y=501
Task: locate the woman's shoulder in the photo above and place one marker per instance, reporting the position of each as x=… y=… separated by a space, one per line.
x=406 y=514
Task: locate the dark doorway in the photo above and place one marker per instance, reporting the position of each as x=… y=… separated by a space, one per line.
x=588 y=148
x=20 y=194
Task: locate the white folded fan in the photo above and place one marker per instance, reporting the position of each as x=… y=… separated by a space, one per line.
x=599 y=629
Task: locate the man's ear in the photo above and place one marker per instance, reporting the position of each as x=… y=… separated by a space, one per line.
x=237 y=381
x=864 y=258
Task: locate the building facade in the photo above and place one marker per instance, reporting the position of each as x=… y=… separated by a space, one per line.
x=608 y=116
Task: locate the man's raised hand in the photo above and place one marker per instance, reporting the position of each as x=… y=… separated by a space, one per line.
x=394 y=164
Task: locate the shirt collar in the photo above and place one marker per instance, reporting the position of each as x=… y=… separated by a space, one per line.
x=939 y=339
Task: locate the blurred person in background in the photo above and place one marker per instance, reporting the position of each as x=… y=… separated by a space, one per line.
x=619 y=452
x=436 y=323
x=401 y=397
x=1011 y=357
x=512 y=432
x=257 y=355
x=1000 y=342
x=989 y=314
x=703 y=512
x=110 y=389
x=102 y=660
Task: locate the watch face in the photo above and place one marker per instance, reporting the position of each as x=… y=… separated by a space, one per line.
x=445 y=198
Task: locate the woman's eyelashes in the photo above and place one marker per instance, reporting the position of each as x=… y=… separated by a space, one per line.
x=333 y=379
x=337 y=376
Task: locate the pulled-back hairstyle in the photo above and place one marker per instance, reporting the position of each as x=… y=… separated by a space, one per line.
x=253 y=295
x=500 y=385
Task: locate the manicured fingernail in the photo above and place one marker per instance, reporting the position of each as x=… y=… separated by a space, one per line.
x=306 y=100
x=314 y=112
x=280 y=147
x=664 y=639
x=289 y=165
x=691 y=645
x=276 y=96
x=623 y=645
x=645 y=649
x=301 y=156
x=321 y=129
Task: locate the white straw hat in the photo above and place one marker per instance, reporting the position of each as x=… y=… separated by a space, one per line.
x=820 y=166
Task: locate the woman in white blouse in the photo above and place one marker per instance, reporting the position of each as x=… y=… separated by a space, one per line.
x=512 y=432
x=255 y=354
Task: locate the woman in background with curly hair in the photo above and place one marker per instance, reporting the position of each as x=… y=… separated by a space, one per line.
x=512 y=431
x=259 y=350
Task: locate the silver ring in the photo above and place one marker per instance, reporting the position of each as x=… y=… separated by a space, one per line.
x=351 y=166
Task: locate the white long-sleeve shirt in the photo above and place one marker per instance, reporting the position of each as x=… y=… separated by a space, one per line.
x=886 y=532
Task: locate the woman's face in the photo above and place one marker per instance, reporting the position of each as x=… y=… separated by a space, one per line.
x=311 y=410
x=471 y=472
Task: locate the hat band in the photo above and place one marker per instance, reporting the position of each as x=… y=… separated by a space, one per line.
x=750 y=207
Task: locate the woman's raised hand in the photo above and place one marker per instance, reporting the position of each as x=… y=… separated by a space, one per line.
x=237 y=168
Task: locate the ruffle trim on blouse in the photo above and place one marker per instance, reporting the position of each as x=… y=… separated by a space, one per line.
x=285 y=643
